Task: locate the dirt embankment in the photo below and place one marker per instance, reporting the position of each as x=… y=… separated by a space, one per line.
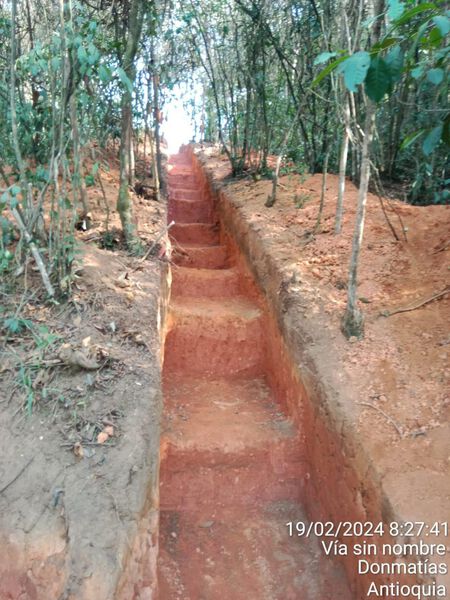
x=78 y=477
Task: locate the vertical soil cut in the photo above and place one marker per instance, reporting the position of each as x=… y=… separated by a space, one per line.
x=233 y=460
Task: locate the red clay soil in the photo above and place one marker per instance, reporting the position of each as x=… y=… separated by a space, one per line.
x=385 y=397
x=231 y=460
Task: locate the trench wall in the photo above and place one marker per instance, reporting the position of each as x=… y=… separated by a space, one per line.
x=340 y=483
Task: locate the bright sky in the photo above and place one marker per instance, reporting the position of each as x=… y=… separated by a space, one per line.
x=177 y=127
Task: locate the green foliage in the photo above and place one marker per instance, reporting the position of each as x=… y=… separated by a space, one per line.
x=355 y=68
x=378 y=81
x=408 y=62
x=432 y=140
x=14 y=325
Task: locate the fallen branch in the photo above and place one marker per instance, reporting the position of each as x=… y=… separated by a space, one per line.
x=5 y=487
x=442 y=248
x=158 y=237
x=387 y=313
x=35 y=252
x=385 y=415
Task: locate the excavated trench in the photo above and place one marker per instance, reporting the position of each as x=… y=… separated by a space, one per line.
x=235 y=462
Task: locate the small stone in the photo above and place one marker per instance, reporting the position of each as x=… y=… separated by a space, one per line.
x=206 y=524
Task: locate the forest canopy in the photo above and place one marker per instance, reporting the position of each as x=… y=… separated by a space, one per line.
x=354 y=87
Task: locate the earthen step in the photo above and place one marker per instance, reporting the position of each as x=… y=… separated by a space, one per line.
x=248 y=556
x=180 y=159
x=178 y=184
x=205 y=283
x=190 y=211
x=195 y=233
x=214 y=336
x=186 y=194
x=185 y=180
x=180 y=170
x=201 y=257
x=226 y=444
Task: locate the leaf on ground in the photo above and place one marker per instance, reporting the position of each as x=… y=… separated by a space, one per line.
x=76 y=358
x=102 y=437
x=78 y=450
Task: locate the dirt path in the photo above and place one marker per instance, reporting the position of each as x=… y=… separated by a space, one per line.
x=231 y=461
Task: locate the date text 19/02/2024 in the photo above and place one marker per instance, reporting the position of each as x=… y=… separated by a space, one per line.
x=402 y=556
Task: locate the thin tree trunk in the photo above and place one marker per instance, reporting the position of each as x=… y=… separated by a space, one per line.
x=271 y=199
x=12 y=98
x=124 y=206
x=353 y=320
x=77 y=156
x=322 y=194
x=157 y=132
x=343 y=169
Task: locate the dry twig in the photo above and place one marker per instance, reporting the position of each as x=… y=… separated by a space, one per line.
x=416 y=306
x=385 y=415
x=5 y=487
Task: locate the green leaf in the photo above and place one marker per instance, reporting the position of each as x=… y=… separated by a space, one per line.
x=15 y=190
x=94 y=170
x=355 y=69
x=435 y=76
x=93 y=54
x=394 y=60
x=433 y=39
x=328 y=69
x=432 y=139
x=378 y=79
x=396 y=9
x=125 y=79
x=411 y=138
x=82 y=54
x=104 y=73
x=417 y=72
x=55 y=63
x=385 y=43
x=443 y=24
x=409 y=14
x=324 y=57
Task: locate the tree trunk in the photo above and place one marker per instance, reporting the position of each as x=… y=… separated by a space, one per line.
x=12 y=99
x=124 y=206
x=78 y=182
x=159 y=179
x=343 y=169
x=353 y=320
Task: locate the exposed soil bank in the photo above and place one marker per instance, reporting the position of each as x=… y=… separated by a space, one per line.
x=85 y=527
x=341 y=478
